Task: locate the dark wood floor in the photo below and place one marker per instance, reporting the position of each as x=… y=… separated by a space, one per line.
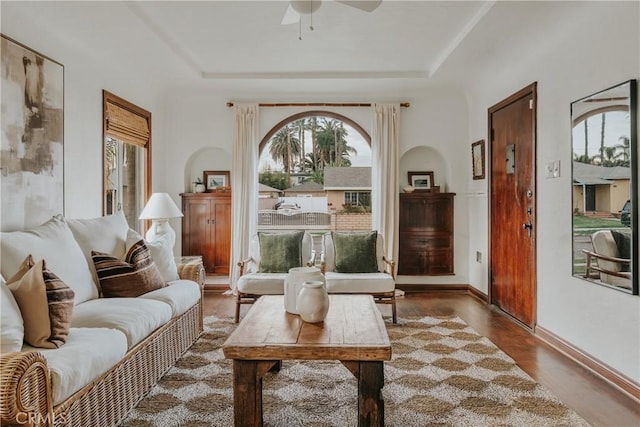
x=598 y=402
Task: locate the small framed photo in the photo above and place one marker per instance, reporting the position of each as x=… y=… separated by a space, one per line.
x=477 y=159
x=421 y=181
x=215 y=180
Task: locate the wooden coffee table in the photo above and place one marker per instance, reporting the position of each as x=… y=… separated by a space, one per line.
x=353 y=333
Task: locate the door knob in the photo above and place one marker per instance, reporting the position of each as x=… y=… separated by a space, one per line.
x=528 y=226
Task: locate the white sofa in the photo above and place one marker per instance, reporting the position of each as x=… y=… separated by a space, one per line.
x=116 y=348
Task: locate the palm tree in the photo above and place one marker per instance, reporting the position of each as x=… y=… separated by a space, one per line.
x=624 y=148
x=602 y=136
x=285 y=148
x=301 y=127
x=332 y=144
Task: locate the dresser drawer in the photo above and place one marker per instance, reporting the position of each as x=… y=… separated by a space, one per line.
x=426 y=241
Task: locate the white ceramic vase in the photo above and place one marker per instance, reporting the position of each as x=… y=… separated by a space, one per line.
x=293 y=283
x=313 y=302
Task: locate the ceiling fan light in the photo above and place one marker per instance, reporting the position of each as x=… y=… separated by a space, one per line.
x=305 y=7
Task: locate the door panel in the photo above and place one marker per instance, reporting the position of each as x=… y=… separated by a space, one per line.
x=512 y=131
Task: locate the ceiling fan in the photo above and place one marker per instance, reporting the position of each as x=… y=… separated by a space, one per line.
x=308 y=7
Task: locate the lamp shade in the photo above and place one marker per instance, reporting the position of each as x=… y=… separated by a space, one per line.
x=160 y=206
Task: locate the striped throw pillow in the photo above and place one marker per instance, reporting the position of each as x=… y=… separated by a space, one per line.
x=45 y=302
x=137 y=274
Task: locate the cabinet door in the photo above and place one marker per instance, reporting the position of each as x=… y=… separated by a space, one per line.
x=196 y=233
x=222 y=236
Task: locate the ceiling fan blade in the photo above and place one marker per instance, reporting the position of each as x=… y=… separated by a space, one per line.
x=290 y=16
x=366 y=5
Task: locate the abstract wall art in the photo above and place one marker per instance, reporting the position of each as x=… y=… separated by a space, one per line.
x=32 y=140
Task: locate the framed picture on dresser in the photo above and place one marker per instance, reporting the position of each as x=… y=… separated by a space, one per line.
x=421 y=181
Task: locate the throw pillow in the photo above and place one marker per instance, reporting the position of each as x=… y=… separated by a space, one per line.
x=623 y=242
x=137 y=274
x=161 y=254
x=355 y=252
x=45 y=302
x=54 y=242
x=12 y=330
x=280 y=252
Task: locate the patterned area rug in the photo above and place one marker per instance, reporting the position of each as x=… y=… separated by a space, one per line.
x=442 y=374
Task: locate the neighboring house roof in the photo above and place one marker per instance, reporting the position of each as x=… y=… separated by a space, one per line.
x=266 y=189
x=306 y=187
x=587 y=174
x=349 y=178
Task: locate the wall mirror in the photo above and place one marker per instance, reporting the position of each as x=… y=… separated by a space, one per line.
x=605 y=187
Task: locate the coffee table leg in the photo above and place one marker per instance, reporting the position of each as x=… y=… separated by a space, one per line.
x=247 y=391
x=370 y=377
x=370 y=403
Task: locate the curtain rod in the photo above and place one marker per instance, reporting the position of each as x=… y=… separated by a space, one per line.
x=319 y=104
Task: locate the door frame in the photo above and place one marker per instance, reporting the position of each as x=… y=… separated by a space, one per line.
x=529 y=90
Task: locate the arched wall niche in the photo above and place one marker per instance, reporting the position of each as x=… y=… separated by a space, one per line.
x=423 y=159
x=209 y=158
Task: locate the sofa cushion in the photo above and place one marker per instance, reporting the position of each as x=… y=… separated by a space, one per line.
x=359 y=283
x=135 y=317
x=181 y=295
x=54 y=242
x=161 y=253
x=137 y=274
x=45 y=302
x=11 y=324
x=280 y=252
x=262 y=283
x=355 y=252
x=329 y=252
x=88 y=353
x=103 y=234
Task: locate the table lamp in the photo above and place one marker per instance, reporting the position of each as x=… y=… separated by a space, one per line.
x=159 y=209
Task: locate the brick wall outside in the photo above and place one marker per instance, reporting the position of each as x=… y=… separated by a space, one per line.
x=341 y=221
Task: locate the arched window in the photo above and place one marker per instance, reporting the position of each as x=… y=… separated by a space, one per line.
x=313 y=166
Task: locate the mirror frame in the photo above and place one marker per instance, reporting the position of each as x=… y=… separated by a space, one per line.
x=633 y=157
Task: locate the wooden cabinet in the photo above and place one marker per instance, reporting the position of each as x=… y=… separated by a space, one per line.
x=206 y=229
x=426 y=234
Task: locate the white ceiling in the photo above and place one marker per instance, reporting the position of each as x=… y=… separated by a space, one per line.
x=242 y=44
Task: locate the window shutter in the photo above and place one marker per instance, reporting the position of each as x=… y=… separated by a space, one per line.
x=126 y=125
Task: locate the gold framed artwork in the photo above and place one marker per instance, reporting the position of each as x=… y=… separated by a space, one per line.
x=477 y=159
x=216 y=180
x=421 y=181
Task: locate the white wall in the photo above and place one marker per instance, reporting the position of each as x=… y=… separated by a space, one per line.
x=84 y=79
x=199 y=120
x=600 y=49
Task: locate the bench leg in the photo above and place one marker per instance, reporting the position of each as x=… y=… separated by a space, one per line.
x=394 y=314
x=237 y=316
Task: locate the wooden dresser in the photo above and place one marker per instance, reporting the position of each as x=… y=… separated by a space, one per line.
x=206 y=229
x=426 y=234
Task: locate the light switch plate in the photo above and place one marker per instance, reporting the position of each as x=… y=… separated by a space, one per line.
x=556 y=169
x=549 y=167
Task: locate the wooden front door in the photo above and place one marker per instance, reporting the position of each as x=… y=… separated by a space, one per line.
x=512 y=125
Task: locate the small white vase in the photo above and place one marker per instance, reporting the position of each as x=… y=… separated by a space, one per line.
x=313 y=302
x=293 y=283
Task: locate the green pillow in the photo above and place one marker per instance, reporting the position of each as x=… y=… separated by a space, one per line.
x=280 y=251
x=623 y=242
x=355 y=252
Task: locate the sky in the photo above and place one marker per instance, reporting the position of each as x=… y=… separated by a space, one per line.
x=616 y=125
x=354 y=139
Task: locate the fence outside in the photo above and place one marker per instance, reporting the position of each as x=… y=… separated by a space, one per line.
x=336 y=221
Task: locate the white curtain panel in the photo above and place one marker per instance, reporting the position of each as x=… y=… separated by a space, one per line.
x=384 y=174
x=244 y=183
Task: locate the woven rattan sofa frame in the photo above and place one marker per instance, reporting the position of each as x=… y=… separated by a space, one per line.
x=25 y=388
